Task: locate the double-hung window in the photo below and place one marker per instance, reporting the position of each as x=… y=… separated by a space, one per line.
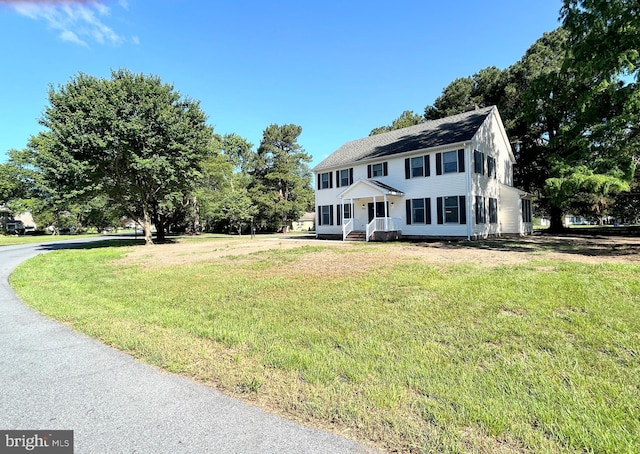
x=451 y=210
x=344 y=177
x=478 y=162
x=491 y=167
x=346 y=211
x=493 y=210
x=419 y=211
x=450 y=162
x=417 y=167
x=526 y=210
x=325 y=180
x=380 y=169
x=325 y=215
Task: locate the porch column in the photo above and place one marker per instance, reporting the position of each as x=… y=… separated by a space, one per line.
x=386 y=215
x=352 y=210
x=342 y=216
x=374 y=210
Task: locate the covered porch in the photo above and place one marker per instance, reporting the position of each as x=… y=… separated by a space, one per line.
x=370 y=211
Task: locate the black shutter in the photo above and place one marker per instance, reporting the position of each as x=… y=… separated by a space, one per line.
x=385 y=169
x=330 y=214
x=338 y=209
x=427 y=210
x=319 y=215
x=427 y=166
x=462 y=209
x=460 y=161
x=438 y=163
x=439 y=207
x=319 y=182
x=369 y=171
x=330 y=180
x=408 y=210
x=350 y=176
x=482 y=156
x=337 y=178
x=407 y=169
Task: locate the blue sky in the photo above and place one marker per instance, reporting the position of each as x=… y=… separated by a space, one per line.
x=338 y=68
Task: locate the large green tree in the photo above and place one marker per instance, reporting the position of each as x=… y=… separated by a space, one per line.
x=603 y=54
x=281 y=179
x=223 y=198
x=485 y=88
x=16 y=183
x=604 y=37
x=16 y=177
x=406 y=119
x=132 y=138
x=573 y=117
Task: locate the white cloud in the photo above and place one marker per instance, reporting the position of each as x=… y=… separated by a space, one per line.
x=68 y=35
x=76 y=22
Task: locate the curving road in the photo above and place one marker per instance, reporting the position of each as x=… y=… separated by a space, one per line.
x=52 y=378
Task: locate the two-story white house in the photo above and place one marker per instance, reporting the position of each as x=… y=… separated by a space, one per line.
x=447 y=178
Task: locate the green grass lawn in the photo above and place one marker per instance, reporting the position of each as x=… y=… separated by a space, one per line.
x=538 y=357
x=8 y=240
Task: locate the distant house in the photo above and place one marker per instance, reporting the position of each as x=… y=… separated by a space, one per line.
x=27 y=219
x=5 y=215
x=16 y=224
x=450 y=178
x=305 y=223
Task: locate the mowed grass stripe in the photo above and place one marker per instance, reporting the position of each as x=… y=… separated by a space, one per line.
x=538 y=357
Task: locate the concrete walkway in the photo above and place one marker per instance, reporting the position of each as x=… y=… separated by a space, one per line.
x=54 y=378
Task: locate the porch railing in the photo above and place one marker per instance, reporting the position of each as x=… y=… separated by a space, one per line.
x=383 y=225
x=347 y=229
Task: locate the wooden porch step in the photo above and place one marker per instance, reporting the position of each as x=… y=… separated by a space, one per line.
x=356 y=236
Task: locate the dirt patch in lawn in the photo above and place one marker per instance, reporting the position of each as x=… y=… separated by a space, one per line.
x=362 y=256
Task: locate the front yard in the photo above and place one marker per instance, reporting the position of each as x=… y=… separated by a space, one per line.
x=496 y=346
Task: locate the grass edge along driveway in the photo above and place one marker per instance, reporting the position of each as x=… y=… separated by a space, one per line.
x=407 y=355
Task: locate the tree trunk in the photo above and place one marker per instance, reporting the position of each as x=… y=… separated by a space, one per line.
x=556 y=220
x=196 y=215
x=56 y=222
x=146 y=226
x=160 y=229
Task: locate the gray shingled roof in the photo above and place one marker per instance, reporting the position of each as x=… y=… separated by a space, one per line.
x=449 y=130
x=386 y=187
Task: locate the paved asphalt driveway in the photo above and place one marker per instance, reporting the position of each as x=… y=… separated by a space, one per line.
x=52 y=378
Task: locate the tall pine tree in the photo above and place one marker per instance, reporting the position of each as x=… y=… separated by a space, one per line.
x=281 y=179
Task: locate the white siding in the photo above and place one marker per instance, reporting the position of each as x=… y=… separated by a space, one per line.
x=510 y=211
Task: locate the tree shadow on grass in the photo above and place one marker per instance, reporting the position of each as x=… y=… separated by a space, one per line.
x=98 y=243
x=594 y=246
